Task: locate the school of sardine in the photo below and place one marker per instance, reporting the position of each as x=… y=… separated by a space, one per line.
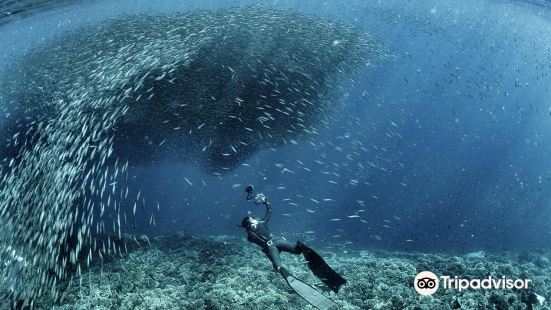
x=211 y=87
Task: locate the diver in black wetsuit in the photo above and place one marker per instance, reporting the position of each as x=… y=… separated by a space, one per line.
x=259 y=233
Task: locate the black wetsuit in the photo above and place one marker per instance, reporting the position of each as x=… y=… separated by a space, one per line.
x=260 y=234
x=271 y=246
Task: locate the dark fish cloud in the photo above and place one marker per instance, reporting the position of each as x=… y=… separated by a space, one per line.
x=214 y=87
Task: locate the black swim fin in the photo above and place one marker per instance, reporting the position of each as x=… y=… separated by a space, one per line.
x=308 y=293
x=320 y=268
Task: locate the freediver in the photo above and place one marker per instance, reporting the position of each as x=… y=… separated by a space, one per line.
x=259 y=233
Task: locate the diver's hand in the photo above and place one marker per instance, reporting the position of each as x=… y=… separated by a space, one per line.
x=260 y=199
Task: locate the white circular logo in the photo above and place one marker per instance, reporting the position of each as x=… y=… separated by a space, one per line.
x=426 y=283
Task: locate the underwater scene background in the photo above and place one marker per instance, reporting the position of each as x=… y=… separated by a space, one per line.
x=391 y=136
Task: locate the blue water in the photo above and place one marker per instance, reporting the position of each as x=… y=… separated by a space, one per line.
x=444 y=145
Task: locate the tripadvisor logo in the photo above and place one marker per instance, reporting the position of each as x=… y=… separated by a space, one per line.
x=426 y=283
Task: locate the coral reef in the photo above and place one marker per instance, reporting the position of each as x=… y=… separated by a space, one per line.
x=225 y=272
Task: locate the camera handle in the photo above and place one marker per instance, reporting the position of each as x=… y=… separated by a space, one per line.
x=249 y=190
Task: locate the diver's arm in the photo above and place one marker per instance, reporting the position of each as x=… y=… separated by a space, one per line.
x=260 y=199
x=268 y=214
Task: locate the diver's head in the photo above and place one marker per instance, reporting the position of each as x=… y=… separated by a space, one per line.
x=248 y=221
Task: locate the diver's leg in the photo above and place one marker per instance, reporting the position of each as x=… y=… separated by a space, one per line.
x=273 y=255
x=286 y=246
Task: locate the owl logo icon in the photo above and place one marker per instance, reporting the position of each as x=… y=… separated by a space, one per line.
x=426 y=283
